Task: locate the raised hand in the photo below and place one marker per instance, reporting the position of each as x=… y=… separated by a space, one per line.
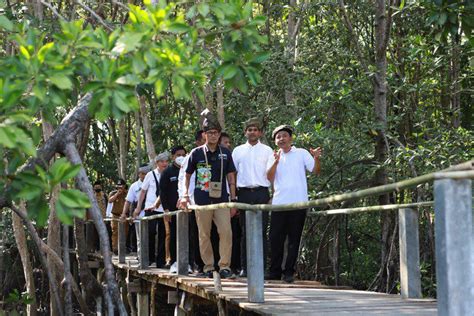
x=277 y=155
x=316 y=153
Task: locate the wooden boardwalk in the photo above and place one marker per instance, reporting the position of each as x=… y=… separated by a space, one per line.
x=300 y=298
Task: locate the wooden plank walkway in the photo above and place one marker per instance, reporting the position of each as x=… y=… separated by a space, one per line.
x=300 y=298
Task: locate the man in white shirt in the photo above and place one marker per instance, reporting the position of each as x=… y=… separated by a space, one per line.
x=287 y=171
x=251 y=160
x=131 y=201
x=194 y=253
x=149 y=194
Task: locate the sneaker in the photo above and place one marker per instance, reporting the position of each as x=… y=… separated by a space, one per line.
x=174 y=268
x=288 y=278
x=190 y=270
x=226 y=274
x=243 y=273
x=207 y=274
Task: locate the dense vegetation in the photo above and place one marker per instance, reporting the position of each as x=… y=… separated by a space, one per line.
x=385 y=87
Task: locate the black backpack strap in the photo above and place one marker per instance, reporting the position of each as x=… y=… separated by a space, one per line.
x=157 y=184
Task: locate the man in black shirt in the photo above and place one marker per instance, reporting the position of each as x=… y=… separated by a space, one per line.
x=214 y=167
x=169 y=198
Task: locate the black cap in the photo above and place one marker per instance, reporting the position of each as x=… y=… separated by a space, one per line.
x=280 y=128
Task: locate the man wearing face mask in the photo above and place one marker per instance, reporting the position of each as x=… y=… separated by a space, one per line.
x=149 y=195
x=287 y=171
x=169 y=197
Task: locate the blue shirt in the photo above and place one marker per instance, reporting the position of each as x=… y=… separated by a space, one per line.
x=211 y=172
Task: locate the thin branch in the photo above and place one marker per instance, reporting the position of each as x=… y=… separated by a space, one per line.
x=95 y=15
x=56 y=13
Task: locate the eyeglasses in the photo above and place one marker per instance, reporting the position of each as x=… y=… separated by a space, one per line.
x=212 y=132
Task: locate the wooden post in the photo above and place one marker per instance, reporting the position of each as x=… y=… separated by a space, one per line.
x=122 y=247
x=143 y=256
x=143 y=304
x=255 y=273
x=182 y=242
x=410 y=279
x=454 y=246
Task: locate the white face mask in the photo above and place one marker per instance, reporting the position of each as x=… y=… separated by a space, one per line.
x=179 y=160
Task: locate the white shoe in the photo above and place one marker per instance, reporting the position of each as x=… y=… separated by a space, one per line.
x=174 y=268
x=189 y=269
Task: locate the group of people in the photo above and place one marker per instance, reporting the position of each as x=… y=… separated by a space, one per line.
x=214 y=173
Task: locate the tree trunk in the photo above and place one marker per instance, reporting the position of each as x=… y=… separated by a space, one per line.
x=54 y=226
x=150 y=146
x=115 y=142
x=455 y=81
x=291 y=51
x=20 y=238
x=382 y=29
x=123 y=149
x=220 y=103
x=138 y=138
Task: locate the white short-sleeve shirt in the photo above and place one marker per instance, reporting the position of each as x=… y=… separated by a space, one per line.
x=149 y=184
x=290 y=185
x=134 y=191
x=251 y=164
x=181 y=178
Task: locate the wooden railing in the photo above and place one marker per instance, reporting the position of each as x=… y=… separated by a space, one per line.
x=454 y=232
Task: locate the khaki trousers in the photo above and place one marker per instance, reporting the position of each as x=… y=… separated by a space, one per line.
x=204 y=220
x=115 y=228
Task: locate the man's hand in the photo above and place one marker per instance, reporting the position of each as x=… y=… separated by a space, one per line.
x=234 y=212
x=184 y=203
x=136 y=213
x=123 y=217
x=277 y=155
x=316 y=153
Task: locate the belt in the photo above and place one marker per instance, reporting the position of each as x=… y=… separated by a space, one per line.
x=252 y=189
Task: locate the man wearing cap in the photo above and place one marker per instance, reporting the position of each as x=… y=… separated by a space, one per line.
x=131 y=201
x=169 y=197
x=117 y=197
x=149 y=194
x=214 y=168
x=251 y=160
x=287 y=170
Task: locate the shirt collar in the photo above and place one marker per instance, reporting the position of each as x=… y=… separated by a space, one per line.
x=250 y=145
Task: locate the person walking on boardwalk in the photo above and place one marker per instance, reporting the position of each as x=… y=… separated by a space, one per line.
x=117 y=197
x=149 y=194
x=214 y=168
x=251 y=161
x=287 y=171
x=169 y=198
x=131 y=201
x=194 y=254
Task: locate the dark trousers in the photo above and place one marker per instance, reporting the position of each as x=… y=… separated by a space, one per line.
x=235 y=260
x=156 y=230
x=131 y=239
x=173 y=223
x=283 y=224
x=215 y=246
x=252 y=196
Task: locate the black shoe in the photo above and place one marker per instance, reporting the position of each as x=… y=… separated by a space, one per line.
x=226 y=274
x=272 y=276
x=288 y=278
x=243 y=273
x=207 y=274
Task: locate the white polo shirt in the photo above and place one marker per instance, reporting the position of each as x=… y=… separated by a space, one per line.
x=134 y=191
x=181 y=178
x=149 y=184
x=251 y=164
x=290 y=185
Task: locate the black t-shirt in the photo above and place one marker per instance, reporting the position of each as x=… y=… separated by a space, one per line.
x=169 y=187
x=212 y=172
